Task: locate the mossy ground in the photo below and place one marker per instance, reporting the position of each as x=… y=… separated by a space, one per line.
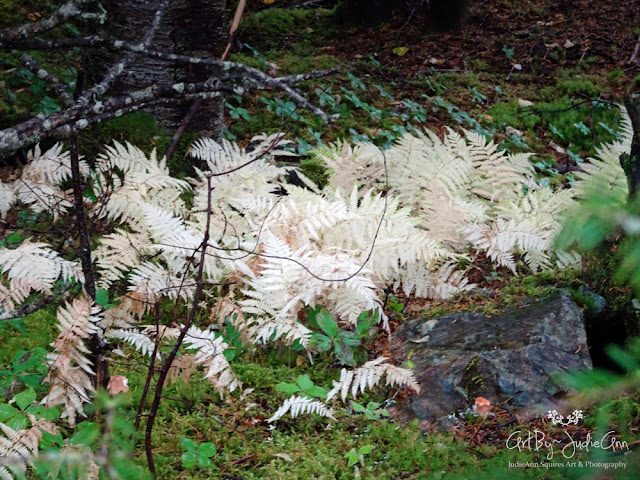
x=247 y=447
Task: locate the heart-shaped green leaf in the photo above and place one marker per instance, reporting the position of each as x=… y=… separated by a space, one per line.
x=207 y=449
x=7 y=411
x=189 y=459
x=287 y=387
x=102 y=298
x=188 y=444
x=305 y=382
x=26 y=398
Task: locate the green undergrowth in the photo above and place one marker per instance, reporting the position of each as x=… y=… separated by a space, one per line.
x=296 y=28
x=560 y=127
x=378 y=103
x=32 y=331
x=300 y=448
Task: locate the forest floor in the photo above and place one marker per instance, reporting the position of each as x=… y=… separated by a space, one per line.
x=536 y=75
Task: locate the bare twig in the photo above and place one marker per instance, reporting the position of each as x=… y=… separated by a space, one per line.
x=251 y=73
x=38 y=304
x=234 y=26
x=151 y=369
x=153 y=411
x=77 y=118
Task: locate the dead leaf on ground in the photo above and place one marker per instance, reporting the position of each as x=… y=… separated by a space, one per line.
x=118 y=384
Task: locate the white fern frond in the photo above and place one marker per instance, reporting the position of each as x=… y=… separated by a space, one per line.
x=262 y=329
x=297 y=405
x=604 y=174
x=369 y=375
x=416 y=279
x=19 y=289
x=210 y=353
x=51 y=167
x=118 y=253
x=568 y=260
x=145 y=180
x=182 y=367
x=139 y=340
x=36 y=266
x=151 y=281
x=7 y=198
x=69 y=368
x=362 y=165
x=495 y=173
x=19 y=448
x=42 y=197
x=271 y=144
x=38 y=185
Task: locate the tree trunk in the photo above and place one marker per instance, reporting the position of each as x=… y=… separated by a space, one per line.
x=448 y=15
x=442 y=15
x=189 y=27
x=371 y=12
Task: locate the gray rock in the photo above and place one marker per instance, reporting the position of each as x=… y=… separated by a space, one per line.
x=599 y=302
x=510 y=359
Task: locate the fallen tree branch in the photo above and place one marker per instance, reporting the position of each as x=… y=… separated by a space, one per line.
x=65 y=123
x=249 y=72
x=60 y=88
x=54 y=44
x=68 y=10
x=89 y=109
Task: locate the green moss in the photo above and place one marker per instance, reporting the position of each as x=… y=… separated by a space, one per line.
x=513 y=294
x=40 y=331
x=17 y=13
x=584 y=85
x=509 y=113
x=295 y=64
x=277 y=21
x=141 y=130
x=296 y=27
x=615 y=74
x=584 y=301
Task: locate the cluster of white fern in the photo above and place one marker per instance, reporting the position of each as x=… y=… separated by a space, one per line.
x=465 y=193
x=403 y=218
x=39 y=185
